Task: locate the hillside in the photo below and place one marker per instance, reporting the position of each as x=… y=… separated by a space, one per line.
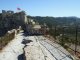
x=52 y=21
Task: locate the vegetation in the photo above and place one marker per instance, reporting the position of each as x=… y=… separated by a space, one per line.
x=5 y=39
x=9 y=22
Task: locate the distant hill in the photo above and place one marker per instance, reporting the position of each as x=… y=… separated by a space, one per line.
x=59 y=21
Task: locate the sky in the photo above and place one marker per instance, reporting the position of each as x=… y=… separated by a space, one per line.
x=55 y=8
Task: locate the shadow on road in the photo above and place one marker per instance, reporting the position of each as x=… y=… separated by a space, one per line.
x=22 y=57
x=26 y=41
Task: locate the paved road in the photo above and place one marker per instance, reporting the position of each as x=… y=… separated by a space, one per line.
x=13 y=49
x=33 y=48
x=43 y=49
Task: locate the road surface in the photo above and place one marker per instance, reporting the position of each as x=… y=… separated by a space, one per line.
x=33 y=48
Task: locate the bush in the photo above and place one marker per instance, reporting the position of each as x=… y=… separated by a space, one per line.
x=6 y=39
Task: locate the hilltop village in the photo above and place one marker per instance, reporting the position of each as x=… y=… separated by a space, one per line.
x=11 y=23
x=13 y=20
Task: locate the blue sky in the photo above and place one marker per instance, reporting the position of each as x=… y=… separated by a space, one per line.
x=56 y=8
